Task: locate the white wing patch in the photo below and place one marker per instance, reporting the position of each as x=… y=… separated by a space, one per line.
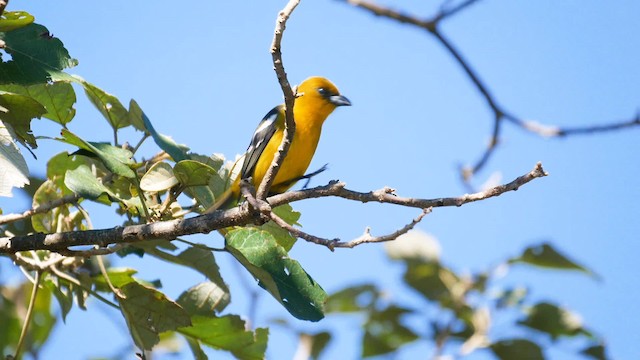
x=266 y=123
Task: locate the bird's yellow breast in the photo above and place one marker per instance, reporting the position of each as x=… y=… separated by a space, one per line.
x=303 y=147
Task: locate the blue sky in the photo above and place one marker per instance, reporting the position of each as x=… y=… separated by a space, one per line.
x=203 y=73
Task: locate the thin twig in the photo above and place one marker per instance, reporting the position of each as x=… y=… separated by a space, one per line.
x=145 y=137
x=61 y=274
x=289 y=101
x=303 y=235
x=331 y=244
x=599 y=128
x=500 y=113
x=29 y=315
x=368 y=238
x=448 y=12
x=36 y=264
x=67 y=199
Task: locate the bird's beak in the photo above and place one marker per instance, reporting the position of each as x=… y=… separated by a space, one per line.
x=339 y=100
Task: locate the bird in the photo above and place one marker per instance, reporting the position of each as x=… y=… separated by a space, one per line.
x=317 y=97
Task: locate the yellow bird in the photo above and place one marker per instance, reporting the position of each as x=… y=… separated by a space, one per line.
x=318 y=97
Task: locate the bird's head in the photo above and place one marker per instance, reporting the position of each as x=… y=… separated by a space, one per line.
x=319 y=95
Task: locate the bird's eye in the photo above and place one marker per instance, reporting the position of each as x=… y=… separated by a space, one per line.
x=323 y=92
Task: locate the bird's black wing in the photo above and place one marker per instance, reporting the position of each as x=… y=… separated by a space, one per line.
x=259 y=141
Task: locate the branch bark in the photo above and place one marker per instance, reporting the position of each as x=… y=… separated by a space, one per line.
x=240 y=216
x=67 y=199
x=289 y=100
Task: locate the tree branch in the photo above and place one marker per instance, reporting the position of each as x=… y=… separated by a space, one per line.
x=368 y=238
x=67 y=199
x=331 y=244
x=289 y=101
x=500 y=113
x=242 y=216
x=129 y=234
x=387 y=195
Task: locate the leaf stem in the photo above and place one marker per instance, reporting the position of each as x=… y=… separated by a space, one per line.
x=27 y=319
x=142 y=200
x=74 y=281
x=115 y=137
x=145 y=137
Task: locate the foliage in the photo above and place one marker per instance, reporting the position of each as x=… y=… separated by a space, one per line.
x=177 y=182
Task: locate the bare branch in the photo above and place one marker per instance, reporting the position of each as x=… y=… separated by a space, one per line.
x=241 y=216
x=67 y=199
x=129 y=234
x=448 y=12
x=303 y=235
x=368 y=238
x=289 y=100
x=387 y=195
x=555 y=131
x=500 y=113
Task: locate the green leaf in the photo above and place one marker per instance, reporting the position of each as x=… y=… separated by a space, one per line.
x=136 y=116
x=282 y=236
x=228 y=333
x=85 y=184
x=119 y=277
x=12 y=20
x=11 y=324
x=47 y=222
x=256 y=350
x=517 y=349
x=63 y=294
x=199 y=259
x=352 y=299
x=206 y=195
x=18 y=111
x=58 y=165
x=196 y=350
x=553 y=320
x=36 y=56
x=148 y=313
x=58 y=219
x=204 y=299
x=544 y=255
x=57 y=98
x=108 y=105
x=431 y=280
x=384 y=333
x=14 y=301
x=596 y=351
x=203 y=261
x=276 y=272
x=14 y=168
x=176 y=151
x=511 y=297
x=318 y=341
x=116 y=159
x=193 y=173
x=159 y=177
